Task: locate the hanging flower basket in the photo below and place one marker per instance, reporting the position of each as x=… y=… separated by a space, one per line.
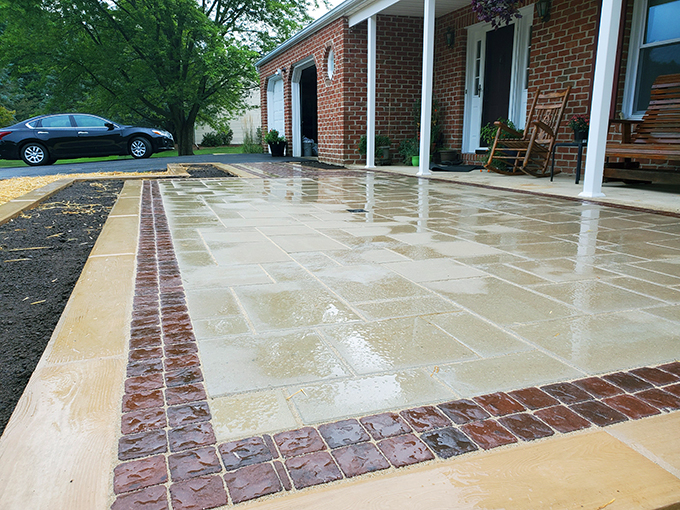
x=497 y=12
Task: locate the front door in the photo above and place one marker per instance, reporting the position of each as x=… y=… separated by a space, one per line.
x=497 y=74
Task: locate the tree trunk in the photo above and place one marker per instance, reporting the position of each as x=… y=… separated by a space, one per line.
x=185 y=139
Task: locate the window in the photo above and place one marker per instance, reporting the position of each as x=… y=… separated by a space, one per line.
x=56 y=121
x=90 y=121
x=330 y=64
x=654 y=50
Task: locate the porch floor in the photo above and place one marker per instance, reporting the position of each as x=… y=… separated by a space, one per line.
x=339 y=297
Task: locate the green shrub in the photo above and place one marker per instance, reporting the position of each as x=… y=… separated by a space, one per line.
x=409 y=148
x=6 y=117
x=380 y=141
x=217 y=139
x=274 y=137
x=252 y=143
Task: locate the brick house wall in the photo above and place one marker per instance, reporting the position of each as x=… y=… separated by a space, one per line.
x=562 y=53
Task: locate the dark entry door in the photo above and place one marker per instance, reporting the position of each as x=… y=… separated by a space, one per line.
x=308 y=104
x=497 y=73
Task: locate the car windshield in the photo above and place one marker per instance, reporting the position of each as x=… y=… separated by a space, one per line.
x=90 y=121
x=56 y=121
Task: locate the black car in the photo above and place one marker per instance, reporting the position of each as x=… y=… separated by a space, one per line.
x=44 y=139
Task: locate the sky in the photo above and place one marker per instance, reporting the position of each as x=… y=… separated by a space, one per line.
x=317 y=13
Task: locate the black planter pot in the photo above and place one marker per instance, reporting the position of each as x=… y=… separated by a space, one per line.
x=277 y=149
x=579 y=136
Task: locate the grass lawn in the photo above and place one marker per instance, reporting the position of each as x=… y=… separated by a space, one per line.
x=164 y=154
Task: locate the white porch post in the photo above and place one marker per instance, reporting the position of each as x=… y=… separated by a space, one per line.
x=370 y=114
x=603 y=84
x=426 y=100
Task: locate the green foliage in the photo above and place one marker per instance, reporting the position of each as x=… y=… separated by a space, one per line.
x=252 y=144
x=274 y=137
x=218 y=139
x=436 y=130
x=408 y=148
x=6 y=117
x=488 y=132
x=380 y=141
x=159 y=63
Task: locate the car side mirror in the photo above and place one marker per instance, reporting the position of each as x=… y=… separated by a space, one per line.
x=110 y=125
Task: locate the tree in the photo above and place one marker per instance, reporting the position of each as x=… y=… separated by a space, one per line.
x=161 y=62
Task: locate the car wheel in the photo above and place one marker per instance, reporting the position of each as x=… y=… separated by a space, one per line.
x=35 y=154
x=140 y=148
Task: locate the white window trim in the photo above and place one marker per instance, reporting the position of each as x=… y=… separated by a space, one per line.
x=637 y=34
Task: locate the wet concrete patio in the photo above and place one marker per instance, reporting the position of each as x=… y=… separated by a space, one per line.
x=282 y=333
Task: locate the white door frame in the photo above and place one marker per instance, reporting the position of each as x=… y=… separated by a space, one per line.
x=296 y=103
x=472 y=118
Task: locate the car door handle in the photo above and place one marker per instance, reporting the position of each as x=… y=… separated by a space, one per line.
x=82 y=132
x=43 y=132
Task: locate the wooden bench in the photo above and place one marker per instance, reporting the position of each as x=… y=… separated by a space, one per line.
x=656 y=137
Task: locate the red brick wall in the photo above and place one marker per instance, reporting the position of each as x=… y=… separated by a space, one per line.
x=562 y=54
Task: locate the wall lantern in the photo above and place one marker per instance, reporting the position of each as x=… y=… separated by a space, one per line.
x=450 y=37
x=543 y=10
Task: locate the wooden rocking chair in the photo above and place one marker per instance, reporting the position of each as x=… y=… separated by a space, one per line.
x=529 y=152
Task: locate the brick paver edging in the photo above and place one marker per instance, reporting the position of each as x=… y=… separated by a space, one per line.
x=170 y=457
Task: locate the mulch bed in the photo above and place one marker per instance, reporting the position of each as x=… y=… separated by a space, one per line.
x=42 y=253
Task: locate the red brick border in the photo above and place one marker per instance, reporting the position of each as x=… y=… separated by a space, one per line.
x=170 y=458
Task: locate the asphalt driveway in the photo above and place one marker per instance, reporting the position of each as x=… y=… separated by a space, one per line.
x=133 y=165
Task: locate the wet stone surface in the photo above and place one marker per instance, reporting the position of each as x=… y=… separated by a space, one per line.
x=628 y=382
x=448 y=442
x=488 y=434
x=463 y=411
x=631 y=406
x=359 y=459
x=562 y=419
x=598 y=413
x=499 y=404
x=205 y=492
x=385 y=425
x=597 y=387
x=238 y=454
x=193 y=463
x=567 y=393
x=138 y=474
x=425 y=418
x=299 y=442
x=252 y=482
x=533 y=398
x=526 y=426
x=343 y=433
x=312 y=469
x=405 y=450
x=189 y=413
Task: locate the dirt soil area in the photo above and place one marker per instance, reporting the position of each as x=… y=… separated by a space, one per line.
x=42 y=253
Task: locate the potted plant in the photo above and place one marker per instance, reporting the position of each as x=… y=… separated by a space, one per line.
x=382 y=148
x=410 y=151
x=277 y=143
x=579 y=124
x=498 y=12
x=449 y=157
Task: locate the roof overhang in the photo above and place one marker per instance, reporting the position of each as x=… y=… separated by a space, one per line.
x=359 y=10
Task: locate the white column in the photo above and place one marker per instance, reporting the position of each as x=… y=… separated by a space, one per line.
x=370 y=114
x=426 y=98
x=603 y=84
